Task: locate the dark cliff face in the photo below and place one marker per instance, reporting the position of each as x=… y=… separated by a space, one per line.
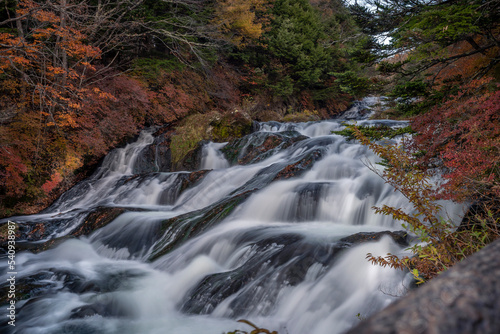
x=465 y=299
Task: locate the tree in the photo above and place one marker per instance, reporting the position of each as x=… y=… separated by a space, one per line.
x=436 y=35
x=296 y=39
x=239 y=21
x=43 y=62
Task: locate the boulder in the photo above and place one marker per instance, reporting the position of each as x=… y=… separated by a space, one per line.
x=156 y=157
x=259 y=146
x=231 y=125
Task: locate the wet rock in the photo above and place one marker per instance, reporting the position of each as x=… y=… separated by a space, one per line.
x=275 y=262
x=400 y=237
x=54 y=280
x=31 y=231
x=97 y=219
x=464 y=299
x=192 y=179
x=30 y=234
x=29 y=287
x=305 y=206
x=192 y=160
x=182 y=182
x=156 y=157
x=88 y=311
x=301 y=166
x=175 y=231
x=259 y=146
x=282 y=170
x=47 y=282
x=109 y=309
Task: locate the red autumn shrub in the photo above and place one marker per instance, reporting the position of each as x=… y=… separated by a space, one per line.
x=462 y=135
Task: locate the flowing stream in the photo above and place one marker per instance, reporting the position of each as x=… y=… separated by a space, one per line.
x=260 y=233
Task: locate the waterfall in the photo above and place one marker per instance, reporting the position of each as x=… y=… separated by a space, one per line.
x=212 y=158
x=264 y=232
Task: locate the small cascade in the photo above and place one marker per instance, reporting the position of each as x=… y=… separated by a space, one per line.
x=212 y=157
x=274 y=228
x=364 y=108
x=122 y=161
x=101 y=186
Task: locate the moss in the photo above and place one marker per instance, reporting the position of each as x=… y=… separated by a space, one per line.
x=231 y=125
x=212 y=126
x=304 y=116
x=193 y=129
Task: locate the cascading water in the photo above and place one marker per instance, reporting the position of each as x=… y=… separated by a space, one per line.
x=268 y=240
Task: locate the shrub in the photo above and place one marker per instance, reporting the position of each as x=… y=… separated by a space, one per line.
x=441 y=244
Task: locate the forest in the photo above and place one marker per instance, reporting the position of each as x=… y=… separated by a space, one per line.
x=80 y=77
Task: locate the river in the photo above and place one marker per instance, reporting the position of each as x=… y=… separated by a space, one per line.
x=268 y=239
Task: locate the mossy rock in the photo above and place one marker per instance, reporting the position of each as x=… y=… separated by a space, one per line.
x=232 y=125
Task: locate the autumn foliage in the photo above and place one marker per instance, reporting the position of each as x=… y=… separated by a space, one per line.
x=61 y=109
x=64 y=105
x=461 y=137
x=241 y=20
x=440 y=244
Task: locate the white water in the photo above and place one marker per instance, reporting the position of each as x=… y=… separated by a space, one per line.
x=282 y=239
x=212 y=157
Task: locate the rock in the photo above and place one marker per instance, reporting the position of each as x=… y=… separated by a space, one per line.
x=192 y=179
x=250 y=280
x=231 y=125
x=400 y=237
x=259 y=146
x=98 y=218
x=38 y=236
x=276 y=261
x=192 y=160
x=54 y=280
x=183 y=182
x=175 y=231
x=29 y=287
x=156 y=157
x=299 y=167
x=30 y=233
x=313 y=150
x=464 y=299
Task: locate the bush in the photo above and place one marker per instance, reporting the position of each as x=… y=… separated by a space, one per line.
x=441 y=244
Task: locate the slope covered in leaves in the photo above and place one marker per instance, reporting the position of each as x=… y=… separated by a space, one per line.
x=80 y=77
